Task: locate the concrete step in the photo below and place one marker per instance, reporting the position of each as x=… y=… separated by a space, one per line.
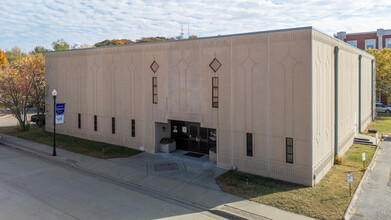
x=366 y=140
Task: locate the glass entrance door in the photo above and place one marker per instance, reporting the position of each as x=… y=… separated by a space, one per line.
x=194 y=137
x=190 y=136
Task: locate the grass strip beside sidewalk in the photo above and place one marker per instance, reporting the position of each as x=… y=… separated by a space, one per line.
x=382 y=125
x=73 y=144
x=326 y=200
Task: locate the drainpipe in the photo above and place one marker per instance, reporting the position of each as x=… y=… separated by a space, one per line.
x=372 y=89
x=336 y=50
x=359 y=93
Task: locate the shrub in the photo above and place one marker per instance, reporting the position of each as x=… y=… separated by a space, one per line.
x=338 y=160
x=26 y=127
x=213 y=149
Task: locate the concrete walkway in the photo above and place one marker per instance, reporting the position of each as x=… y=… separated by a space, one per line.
x=375 y=199
x=182 y=179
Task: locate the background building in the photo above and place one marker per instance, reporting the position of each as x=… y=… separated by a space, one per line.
x=267 y=100
x=364 y=40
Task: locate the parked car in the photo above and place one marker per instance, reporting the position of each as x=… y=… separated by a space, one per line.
x=383 y=108
x=38 y=119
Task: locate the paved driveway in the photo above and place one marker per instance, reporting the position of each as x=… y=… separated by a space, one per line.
x=34 y=188
x=170 y=178
x=375 y=199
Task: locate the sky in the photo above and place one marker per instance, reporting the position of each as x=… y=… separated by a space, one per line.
x=30 y=23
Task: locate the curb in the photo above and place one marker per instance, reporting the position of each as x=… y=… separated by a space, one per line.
x=350 y=210
x=40 y=154
x=5 y=116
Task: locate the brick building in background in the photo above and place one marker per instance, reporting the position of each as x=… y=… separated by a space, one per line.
x=381 y=38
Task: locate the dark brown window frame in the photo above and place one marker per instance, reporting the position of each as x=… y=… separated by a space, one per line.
x=288 y=152
x=79 y=120
x=154 y=90
x=133 y=128
x=95 y=123
x=113 y=125
x=215 y=92
x=249 y=145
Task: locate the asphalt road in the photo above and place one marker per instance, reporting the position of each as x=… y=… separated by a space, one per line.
x=34 y=188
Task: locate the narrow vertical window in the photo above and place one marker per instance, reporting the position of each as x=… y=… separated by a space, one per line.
x=113 y=125
x=133 y=128
x=79 y=120
x=289 y=150
x=215 y=92
x=154 y=90
x=95 y=123
x=249 y=140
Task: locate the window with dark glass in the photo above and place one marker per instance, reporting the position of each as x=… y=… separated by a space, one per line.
x=79 y=120
x=133 y=128
x=215 y=92
x=289 y=150
x=95 y=123
x=113 y=125
x=249 y=140
x=154 y=90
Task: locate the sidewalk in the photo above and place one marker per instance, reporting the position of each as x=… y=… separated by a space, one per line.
x=176 y=178
x=375 y=198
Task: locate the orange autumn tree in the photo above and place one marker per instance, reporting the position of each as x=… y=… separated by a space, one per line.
x=38 y=91
x=3 y=59
x=20 y=83
x=113 y=42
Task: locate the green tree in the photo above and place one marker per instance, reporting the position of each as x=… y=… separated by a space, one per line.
x=383 y=70
x=153 y=39
x=15 y=54
x=39 y=49
x=60 y=44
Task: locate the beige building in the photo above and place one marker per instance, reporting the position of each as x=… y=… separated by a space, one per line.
x=267 y=100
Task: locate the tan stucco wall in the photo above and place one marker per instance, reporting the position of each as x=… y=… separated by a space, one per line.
x=273 y=84
x=264 y=88
x=323 y=98
x=270 y=81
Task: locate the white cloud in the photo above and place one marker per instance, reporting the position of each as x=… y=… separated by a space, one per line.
x=39 y=22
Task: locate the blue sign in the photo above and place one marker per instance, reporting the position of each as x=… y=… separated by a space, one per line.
x=60 y=109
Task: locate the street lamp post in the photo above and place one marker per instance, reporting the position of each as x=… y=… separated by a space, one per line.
x=54 y=93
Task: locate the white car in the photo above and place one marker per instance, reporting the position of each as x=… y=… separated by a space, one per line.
x=383 y=108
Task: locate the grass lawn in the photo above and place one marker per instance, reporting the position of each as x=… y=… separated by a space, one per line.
x=73 y=144
x=382 y=124
x=326 y=200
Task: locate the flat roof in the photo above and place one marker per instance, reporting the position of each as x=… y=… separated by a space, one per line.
x=211 y=37
x=182 y=40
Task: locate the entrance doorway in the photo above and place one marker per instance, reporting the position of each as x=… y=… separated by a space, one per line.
x=192 y=137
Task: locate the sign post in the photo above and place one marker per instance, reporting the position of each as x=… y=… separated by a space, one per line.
x=363 y=160
x=350 y=181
